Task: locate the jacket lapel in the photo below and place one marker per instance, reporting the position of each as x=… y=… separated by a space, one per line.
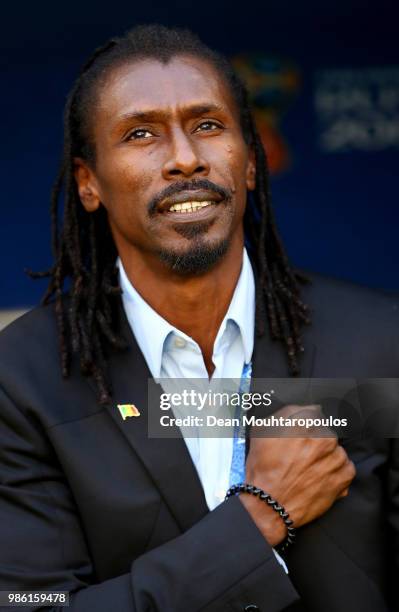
x=167 y=460
x=317 y=558
x=269 y=358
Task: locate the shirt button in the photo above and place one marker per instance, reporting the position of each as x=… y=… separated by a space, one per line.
x=252 y=608
x=180 y=342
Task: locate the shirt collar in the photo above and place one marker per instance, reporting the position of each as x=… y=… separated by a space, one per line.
x=242 y=307
x=151 y=330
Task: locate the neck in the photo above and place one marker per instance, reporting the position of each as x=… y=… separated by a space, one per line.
x=195 y=305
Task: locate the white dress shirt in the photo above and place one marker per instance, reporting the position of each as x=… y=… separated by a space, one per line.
x=170 y=353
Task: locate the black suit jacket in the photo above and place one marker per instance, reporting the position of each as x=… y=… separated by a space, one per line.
x=89 y=504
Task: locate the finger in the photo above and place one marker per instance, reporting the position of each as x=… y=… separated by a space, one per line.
x=347 y=473
x=340 y=457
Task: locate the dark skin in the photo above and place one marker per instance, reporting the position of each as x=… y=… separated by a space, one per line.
x=186 y=133
x=157 y=125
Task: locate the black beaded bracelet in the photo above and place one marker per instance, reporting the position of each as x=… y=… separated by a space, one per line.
x=244 y=487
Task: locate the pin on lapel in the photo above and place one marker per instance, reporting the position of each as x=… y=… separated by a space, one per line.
x=128 y=410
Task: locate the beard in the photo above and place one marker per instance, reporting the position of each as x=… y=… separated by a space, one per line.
x=199 y=257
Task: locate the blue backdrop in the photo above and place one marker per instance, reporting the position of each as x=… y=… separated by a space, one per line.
x=329 y=103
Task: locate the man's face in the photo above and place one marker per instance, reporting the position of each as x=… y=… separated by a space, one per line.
x=172 y=168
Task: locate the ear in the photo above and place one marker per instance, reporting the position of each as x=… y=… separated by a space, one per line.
x=87 y=185
x=251 y=170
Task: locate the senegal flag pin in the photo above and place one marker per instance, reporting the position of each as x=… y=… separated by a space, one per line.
x=128 y=410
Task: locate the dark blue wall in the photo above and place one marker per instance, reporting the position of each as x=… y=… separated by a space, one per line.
x=337 y=205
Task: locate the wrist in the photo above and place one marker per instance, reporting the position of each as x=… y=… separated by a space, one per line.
x=267 y=521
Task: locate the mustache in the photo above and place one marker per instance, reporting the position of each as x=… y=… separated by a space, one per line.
x=194 y=184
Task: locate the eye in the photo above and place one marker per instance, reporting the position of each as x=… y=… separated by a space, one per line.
x=139 y=134
x=208 y=126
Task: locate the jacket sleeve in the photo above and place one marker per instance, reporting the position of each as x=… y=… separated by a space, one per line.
x=221 y=563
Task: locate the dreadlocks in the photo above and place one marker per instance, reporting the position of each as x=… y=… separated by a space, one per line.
x=83 y=248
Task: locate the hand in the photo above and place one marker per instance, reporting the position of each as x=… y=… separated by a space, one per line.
x=305 y=474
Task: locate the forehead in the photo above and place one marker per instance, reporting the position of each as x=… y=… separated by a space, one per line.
x=148 y=83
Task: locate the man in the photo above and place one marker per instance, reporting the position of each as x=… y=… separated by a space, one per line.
x=164 y=177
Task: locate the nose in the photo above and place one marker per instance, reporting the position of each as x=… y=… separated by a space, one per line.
x=184 y=158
